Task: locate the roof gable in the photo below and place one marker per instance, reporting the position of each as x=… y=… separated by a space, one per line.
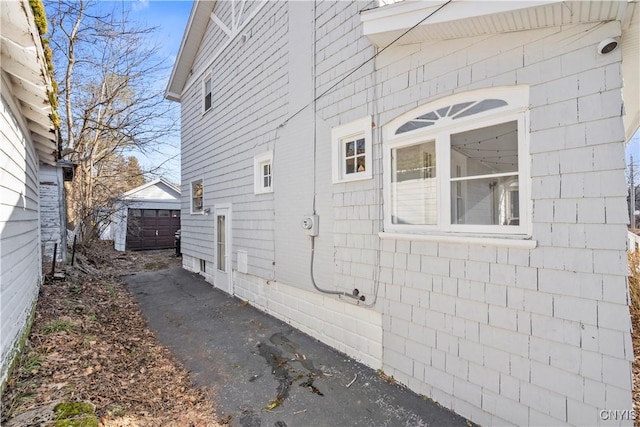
x=159 y=189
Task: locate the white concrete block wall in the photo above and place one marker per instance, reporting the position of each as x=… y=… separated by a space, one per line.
x=538 y=320
x=351 y=329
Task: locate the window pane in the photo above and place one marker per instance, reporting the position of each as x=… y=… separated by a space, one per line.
x=175 y=214
x=196 y=196
x=485 y=201
x=349 y=148
x=164 y=213
x=484 y=105
x=207 y=94
x=221 y=243
x=413 y=186
x=360 y=144
x=360 y=163
x=485 y=151
x=197 y=189
x=350 y=163
x=136 y=212
x=149 y=212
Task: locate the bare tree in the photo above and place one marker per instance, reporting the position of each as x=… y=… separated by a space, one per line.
x=108 y=71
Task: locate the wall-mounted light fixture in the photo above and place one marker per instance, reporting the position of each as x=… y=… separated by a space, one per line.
x=207 y=211
x=608 y=45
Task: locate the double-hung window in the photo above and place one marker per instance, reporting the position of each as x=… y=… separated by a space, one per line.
x=206 y=91
x=197 y=196
x=262 y=173
x=460 y=164
x=351 y=150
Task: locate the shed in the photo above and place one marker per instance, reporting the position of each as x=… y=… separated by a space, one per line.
x=146 y=217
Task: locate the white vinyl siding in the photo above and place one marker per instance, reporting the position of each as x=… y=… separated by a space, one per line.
x=220 y=145
x=20 y=260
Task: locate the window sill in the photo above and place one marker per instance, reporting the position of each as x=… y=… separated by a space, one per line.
x=519 y=242
x=266 y=191
x=362 y=176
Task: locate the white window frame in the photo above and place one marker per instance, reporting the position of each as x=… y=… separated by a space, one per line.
x=259 y=161
x=357 y=129
x=517 y=98
x=205 y=93
x=191 y=184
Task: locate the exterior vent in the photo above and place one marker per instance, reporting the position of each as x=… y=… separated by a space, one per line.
x=243 y=262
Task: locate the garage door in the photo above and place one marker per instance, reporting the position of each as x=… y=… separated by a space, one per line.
x=152 y=228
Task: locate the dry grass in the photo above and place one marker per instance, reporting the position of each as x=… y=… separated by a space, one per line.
x=90 y=343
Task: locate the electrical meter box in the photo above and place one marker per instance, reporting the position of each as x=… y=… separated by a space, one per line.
x=310 y=223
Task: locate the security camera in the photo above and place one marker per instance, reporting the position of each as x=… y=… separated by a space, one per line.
x=608 y=45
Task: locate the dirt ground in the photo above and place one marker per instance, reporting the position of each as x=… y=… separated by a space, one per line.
x=90 y=343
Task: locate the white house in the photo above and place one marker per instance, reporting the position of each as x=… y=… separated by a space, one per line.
x=146 y=217
x=435 y=188
x=27 y=143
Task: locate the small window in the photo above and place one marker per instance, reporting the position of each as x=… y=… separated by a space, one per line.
x=207 y=93
x=351 y=147
x=164 y=213
x=136 y=212
x=203 y=266
x=197 y=196
x=263 y=173
x=149 y=213
x=175 y=214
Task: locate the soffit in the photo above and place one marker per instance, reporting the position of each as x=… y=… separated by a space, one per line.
x=196 y=27
x=464 y=18
x=23 y=64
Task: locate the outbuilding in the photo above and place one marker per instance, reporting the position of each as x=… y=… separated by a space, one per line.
x=146 y=217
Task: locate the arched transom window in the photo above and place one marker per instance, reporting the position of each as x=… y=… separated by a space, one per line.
x=459 y=164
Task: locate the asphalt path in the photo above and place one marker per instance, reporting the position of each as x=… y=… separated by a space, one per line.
x=263 y=372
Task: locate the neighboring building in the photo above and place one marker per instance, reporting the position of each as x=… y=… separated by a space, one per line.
x=452 y=211
x=146 y=217
x=53 y=217
x=27 y=143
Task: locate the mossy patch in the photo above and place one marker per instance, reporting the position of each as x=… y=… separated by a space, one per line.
x=75 y=414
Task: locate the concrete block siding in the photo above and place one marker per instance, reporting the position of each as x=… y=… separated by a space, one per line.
x=502 y=335
x=506 y=335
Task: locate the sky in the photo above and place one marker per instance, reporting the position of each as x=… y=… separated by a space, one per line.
x=169 y=17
